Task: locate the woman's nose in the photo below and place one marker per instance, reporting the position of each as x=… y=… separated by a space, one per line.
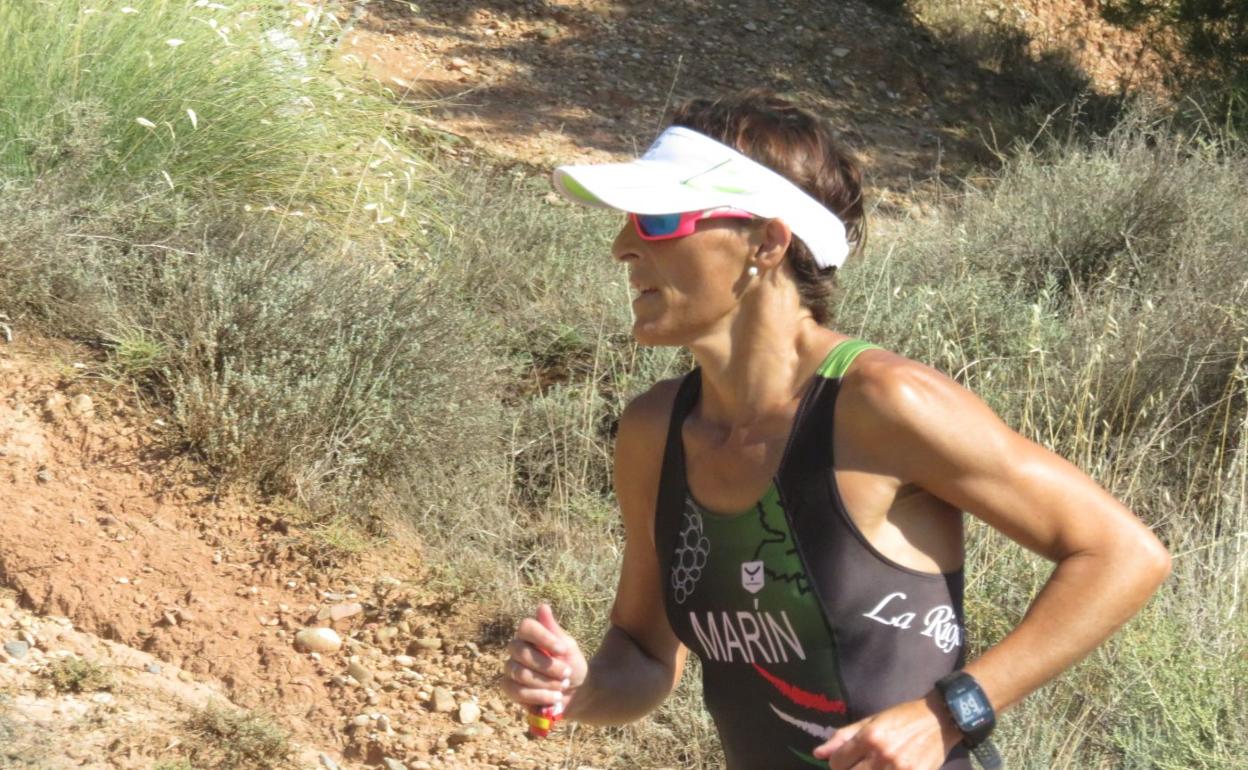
x=624 y=247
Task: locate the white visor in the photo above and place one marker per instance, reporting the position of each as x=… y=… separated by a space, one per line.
x=687 y=171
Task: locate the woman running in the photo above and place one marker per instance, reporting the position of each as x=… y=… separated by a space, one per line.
x=793 y=506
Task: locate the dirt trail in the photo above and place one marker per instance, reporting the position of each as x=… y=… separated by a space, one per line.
x=558 y=81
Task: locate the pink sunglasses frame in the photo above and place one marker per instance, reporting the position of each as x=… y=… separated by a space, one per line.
x=689 y=222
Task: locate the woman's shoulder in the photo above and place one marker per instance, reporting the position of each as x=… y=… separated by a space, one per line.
x=639 y=446
x=890 y=401
x=647 y=415
x=882 y=381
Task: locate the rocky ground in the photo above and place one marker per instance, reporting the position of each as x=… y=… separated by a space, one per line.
x=122 y=553
x=118 y=552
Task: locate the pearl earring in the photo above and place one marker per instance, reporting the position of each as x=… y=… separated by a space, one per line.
x=753 y=271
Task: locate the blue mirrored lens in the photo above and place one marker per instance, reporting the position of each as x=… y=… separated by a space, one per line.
x=658 y=224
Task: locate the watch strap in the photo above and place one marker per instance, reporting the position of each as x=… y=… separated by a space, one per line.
x=987 y=755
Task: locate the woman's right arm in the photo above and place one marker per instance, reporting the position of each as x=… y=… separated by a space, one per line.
x=640 y=659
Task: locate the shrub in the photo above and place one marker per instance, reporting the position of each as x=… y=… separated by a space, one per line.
x=285 y=363
x=77 y=675
x=235 y=740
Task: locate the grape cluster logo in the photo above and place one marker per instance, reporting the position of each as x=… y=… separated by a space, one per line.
x=691 y=553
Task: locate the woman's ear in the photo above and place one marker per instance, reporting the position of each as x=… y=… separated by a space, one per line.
x=774 y=244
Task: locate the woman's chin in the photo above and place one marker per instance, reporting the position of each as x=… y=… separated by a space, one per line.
x=653 y=335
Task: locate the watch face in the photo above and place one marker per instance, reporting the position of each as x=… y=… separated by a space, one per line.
x=970 y=709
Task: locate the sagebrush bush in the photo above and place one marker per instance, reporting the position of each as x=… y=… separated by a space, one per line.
x=284 y=362
x=224 y=738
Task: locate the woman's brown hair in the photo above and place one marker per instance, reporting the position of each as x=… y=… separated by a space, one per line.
x=800 y=146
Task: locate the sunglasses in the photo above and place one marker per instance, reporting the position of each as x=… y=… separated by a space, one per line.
x=660 y=227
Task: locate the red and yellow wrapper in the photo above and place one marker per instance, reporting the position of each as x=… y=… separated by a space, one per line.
x=542 y=719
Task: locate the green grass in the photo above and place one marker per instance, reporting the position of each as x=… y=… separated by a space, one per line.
x=77 y=675
x=198 y=99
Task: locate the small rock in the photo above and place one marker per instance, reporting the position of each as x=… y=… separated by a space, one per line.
x=318 y=640
x=840 y=53
x=443 y=700
x=153 y=668
x=420 y=764
x=393 y=764
x=458 y=64
x=469 y=712
x=361 y=720
x=185 y=676
x=54 y=405
x=386 y=633
x=424 y=644
x=468 y=733
x=751 y=26
x=328 y=762
x=17 y=650
x=44 y=476
x=383 y=724
x=359 y=673
x=343 y=611
x=404 y=661
x=102 y=698
x=81 y=406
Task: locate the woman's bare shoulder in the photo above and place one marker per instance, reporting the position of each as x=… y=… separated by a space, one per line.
x=639 y=446
x=647 y=415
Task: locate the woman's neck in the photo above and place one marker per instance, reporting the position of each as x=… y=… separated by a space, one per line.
x=760 y=364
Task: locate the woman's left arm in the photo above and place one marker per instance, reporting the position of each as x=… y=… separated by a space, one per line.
x=926 y=429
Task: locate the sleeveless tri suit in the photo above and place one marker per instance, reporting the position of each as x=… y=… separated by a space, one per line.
x=800 y=624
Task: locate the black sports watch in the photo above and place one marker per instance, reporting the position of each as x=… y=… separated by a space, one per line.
x=973 y=715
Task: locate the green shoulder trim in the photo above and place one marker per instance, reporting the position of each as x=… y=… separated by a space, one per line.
x=838 y=361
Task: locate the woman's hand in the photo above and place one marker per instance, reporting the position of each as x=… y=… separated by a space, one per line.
x=545 y=665
x=917 y=735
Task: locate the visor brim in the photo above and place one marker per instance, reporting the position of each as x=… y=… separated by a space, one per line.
x=640 y=187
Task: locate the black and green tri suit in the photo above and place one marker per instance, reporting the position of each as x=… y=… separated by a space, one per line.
x=800 y=624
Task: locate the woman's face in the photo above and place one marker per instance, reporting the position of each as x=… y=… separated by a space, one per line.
x=685 y=288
